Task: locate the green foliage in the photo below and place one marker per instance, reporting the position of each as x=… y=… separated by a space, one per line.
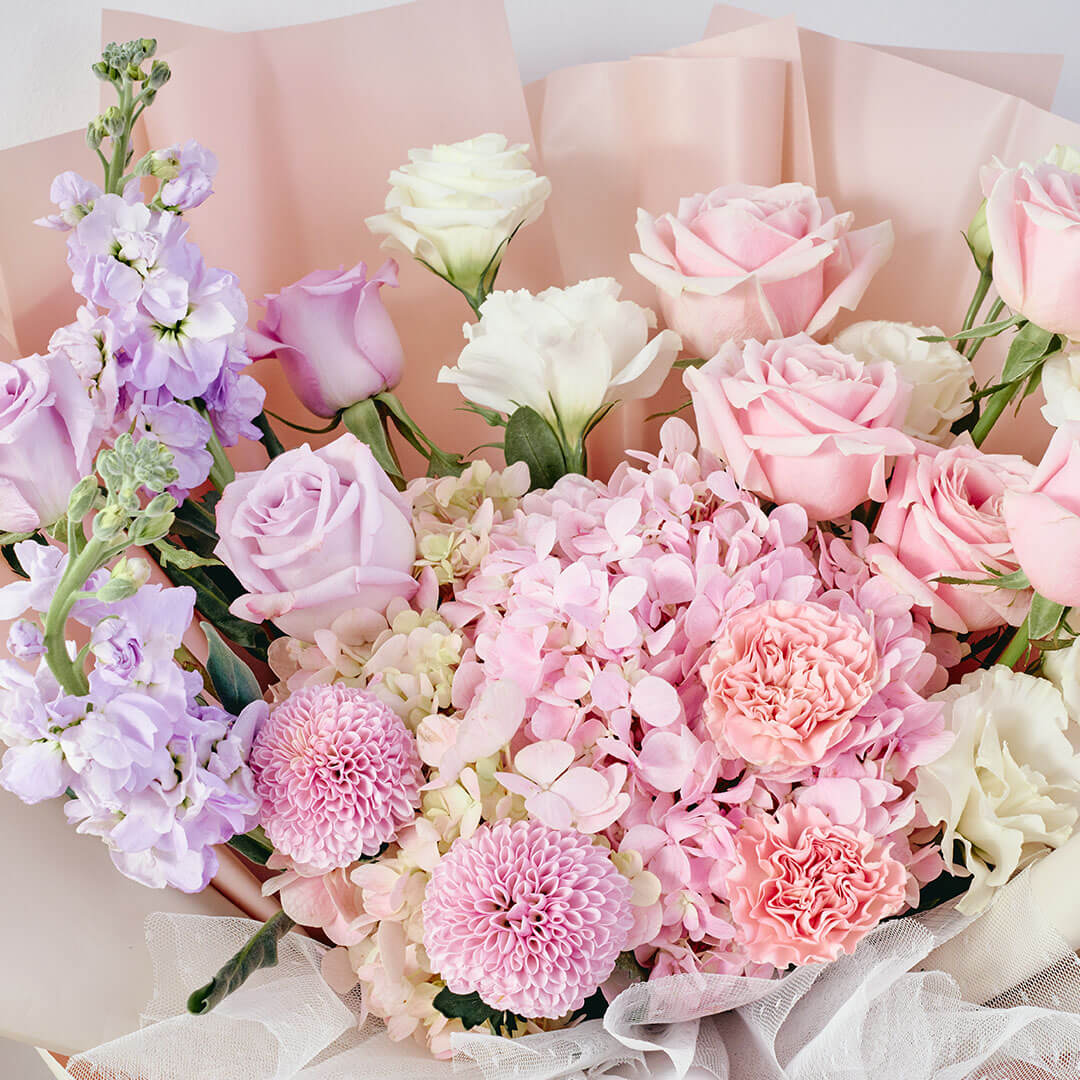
x=233 y=682
x=261 y=951
x=474 y=1012
x=530 y=438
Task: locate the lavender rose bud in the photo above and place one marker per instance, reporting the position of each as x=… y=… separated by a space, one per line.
x=333 y=337
x=315 y=534
x=47 y=440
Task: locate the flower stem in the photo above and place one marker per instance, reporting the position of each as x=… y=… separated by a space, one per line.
x=996 y=404
x=271 y=443
x=1017 y=646
x=221 y=472
x=79 y=568
x=981 y=289
x=996 y=308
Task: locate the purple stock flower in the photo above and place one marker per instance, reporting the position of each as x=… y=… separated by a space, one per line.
x=234 y=400
x=192 y=168
x=73 y=196
x=179 y=428
x=25 y=640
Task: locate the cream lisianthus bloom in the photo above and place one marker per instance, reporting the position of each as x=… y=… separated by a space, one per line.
x=1062 y=668
x=1061 y=388
x=1008 y=789
x=564 y=353
x=939 y=376
x=455 y=206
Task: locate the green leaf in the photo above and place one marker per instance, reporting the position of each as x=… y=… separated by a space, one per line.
x=196 y=523
x=670 y=412
x=1044 y=618
x=978 y=332
x=234 y=683
x=1017 y=580
x=184 y=558
x=1026 y=352
x=491 y=417
x=440 y=463
x=365 y=421
x=7 y=549
x=261 y=951
x=253 y=845
x=530 y=438
x=474 y=1012
x=691 y=362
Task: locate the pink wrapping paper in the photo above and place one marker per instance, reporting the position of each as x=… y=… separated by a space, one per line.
x=309 y=120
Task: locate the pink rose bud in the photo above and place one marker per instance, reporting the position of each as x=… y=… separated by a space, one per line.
x=944 y=518
x=801 y=422
x=1044 y=520
x=1033 y=223
x=47 y=440
x=335 y=340
x=316 y=534
x=755 y=262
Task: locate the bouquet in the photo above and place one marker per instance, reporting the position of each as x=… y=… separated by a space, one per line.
x=536 y=753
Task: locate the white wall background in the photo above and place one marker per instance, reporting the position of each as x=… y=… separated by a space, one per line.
x=46 y=47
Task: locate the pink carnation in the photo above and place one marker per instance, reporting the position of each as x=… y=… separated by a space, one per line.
x=784 y=681
x=531 y=918
x=804 y=890
x=338 y=775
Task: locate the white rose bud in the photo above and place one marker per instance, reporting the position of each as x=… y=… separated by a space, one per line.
x=1008 y=789
x=564 y=353
x=1061 y=388
x=455 y=206
x=939 y=377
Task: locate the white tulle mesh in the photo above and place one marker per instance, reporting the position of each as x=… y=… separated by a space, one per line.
x=903 y=1007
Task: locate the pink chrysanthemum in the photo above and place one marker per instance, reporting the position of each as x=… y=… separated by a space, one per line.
x=531 y=918
x=338 y=775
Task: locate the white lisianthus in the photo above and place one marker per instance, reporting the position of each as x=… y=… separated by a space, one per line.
x=1008 y=789
x=1061 y=388
x=1064 y=157
x=563 y=352
x=940 y=378
x=1062 y=668
x=455 y=206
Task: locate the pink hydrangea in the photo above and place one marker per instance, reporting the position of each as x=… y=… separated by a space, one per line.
x=531 y=918
x=338 y=775
x=804 y=890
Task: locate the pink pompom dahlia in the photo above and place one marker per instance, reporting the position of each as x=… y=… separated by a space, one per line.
x=338 y=775
x=531 y=918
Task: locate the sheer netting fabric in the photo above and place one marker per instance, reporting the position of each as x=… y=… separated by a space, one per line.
x=928 y=997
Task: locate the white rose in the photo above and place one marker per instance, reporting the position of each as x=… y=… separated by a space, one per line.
x=564 y=352
x=1009 y=788
x=1061 y=388
x=455 y=206
x=940 y=378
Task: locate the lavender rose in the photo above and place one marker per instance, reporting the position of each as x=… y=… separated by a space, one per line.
x=333 y=336
x=47 y=440
x=315 y=534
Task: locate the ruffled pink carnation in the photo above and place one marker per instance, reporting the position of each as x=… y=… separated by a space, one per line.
x=338 y=775
x=531 y=918
x=784 y=681
x=804 y=890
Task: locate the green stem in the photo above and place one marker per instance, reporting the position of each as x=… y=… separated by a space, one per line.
x=1017 y=647
x=996 y=404
x=71 y=677
x=221 y=472
x=271 y=443
x=981 y=289
x=996 y=308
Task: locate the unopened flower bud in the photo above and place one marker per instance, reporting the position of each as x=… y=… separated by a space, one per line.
x=150 y=527
x=112 y=120
x=82 y=498
x=103 y=71
x=109 y=522
x=160 y=74
x=95 y=132
x=127 y=577
x=979 y=237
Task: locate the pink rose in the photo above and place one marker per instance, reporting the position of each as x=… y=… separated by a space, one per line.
x=47 y=440
x=315 y=534
x=804 y=890
x=801 y=422
x=944 y=518
x=333 y=336
x=784 y=681
x=756 y=262
x=1044 y=520
x=1033 y=219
